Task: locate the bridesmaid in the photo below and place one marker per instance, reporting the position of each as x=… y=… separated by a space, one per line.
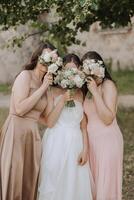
x=105 y=138
x=20 y=142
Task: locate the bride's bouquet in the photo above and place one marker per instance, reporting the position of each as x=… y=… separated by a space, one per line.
x=71 y=79
x=93 y=68
x=53 y=63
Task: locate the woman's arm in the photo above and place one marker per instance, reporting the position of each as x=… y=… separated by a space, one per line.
x=53 y=116
x=84 y=133
x=106 y=104
x=24 y=103
x=83 y=157
x=49 y=107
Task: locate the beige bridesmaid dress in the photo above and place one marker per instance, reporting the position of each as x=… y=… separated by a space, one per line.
x=20 y=142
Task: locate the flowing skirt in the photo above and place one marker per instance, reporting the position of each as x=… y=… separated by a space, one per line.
x=106 y=160
x=61 y=177
x=20 y=153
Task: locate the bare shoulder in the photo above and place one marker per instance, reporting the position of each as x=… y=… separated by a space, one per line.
x=109 y=85
x=24 y=75
x=22 y=80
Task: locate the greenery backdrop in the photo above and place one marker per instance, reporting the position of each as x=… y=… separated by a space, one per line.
x=71 y=16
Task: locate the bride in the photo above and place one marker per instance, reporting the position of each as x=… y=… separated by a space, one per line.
x=65 y=173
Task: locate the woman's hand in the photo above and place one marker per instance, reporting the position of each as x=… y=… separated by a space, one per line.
x=91 y=85
x=83 y=158
x=48 y=79
x=68 y=96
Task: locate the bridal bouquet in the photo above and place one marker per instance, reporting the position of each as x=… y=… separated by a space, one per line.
x=93 y=68
x=48 y=59
x=70 y=78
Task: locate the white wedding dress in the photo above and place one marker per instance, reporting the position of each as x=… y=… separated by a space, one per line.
x=61 y=178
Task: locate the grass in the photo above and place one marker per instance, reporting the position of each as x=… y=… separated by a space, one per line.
x=124 y=80
x=125 y=120
x=3 y=115
x=5 y=88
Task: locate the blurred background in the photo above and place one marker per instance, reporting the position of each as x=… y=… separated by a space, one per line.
x=74 y=26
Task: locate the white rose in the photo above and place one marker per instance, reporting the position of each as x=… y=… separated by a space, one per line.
x=85 y=65
x=78 y=81
x=59 y=61
x=86 y=62
x=74 y=70
x=64 y=83
x=52 y=68
x=92 y=66
x=68 y=73
x=46 y=57
x=86 y=70
x=98 y=71
x=92 y=61
x=97 y=65
x=57 y=79
x=100 y=62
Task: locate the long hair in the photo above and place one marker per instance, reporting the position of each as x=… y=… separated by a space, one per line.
x=34 y=58
x=72 y=58
x=94 y=55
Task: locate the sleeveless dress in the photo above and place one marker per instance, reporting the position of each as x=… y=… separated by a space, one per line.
x=61 y=178
x=105 y=154
x=20 y=148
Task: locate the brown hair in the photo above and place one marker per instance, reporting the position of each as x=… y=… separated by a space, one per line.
x=71 y=58
x=94 y=55
x=34 y=58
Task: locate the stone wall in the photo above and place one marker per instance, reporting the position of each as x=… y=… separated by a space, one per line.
x=11 y=61
x=116 y=46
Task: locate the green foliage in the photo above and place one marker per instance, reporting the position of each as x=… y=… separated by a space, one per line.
x=124 y=80
x=73 y=16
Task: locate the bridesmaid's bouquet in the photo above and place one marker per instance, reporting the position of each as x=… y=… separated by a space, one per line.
x=71 y=79
x=47 y=58
x=93 y=68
